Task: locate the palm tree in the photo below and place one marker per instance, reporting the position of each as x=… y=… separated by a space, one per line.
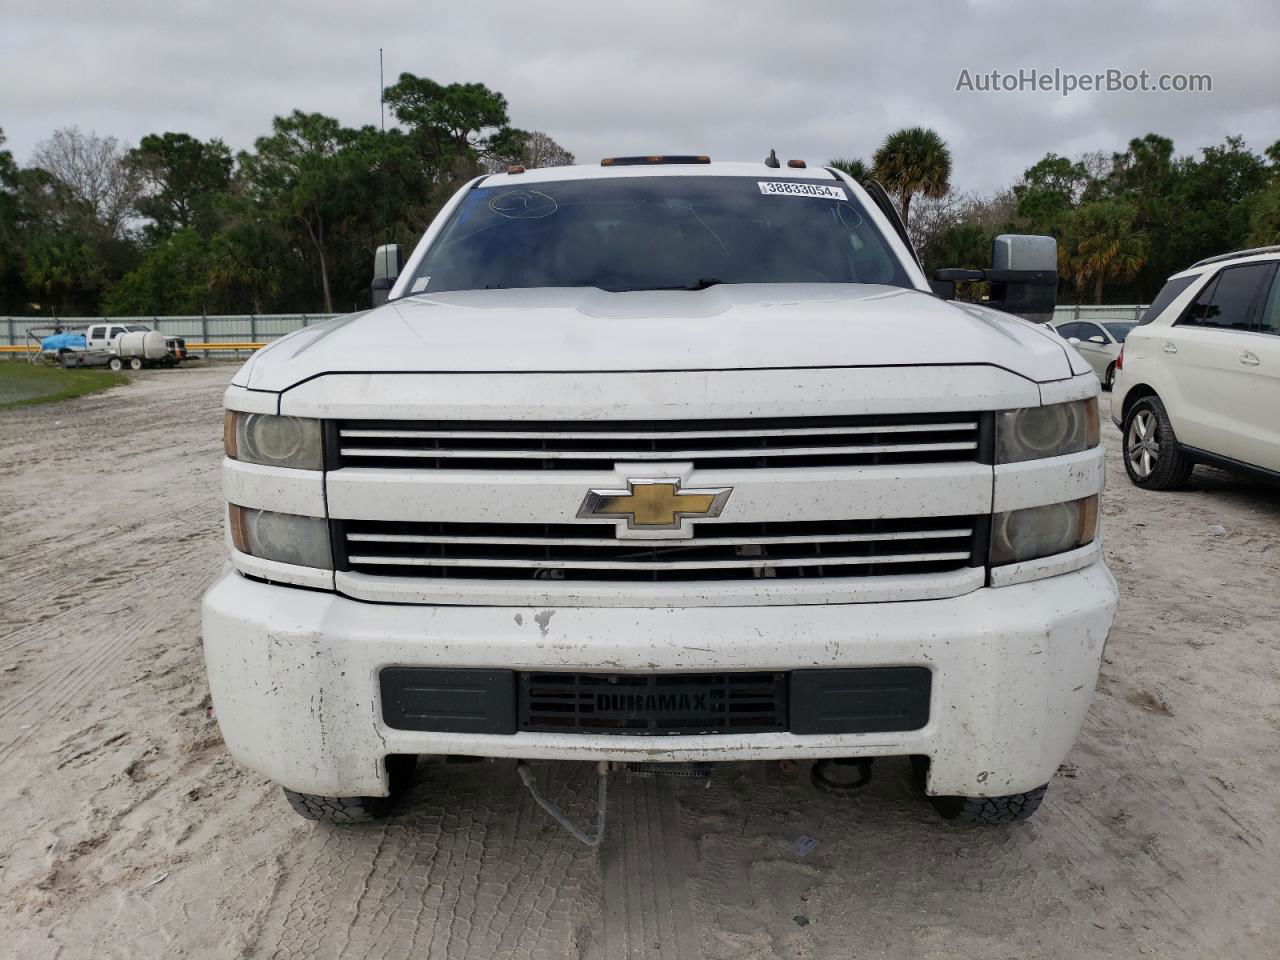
x=854 y=167
x=911 y=161
x=1100 y=245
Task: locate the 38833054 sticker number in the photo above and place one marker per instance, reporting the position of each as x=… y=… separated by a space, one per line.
x=784 y=188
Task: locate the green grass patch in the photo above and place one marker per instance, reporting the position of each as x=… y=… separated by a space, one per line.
x=22 y=385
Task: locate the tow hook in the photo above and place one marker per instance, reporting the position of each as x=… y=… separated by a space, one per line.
x=841 y=776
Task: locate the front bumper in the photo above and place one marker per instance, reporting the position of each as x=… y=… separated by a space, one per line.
x=294 y=676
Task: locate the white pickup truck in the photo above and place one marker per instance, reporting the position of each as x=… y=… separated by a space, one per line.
x=665 y=461
x=115 y=344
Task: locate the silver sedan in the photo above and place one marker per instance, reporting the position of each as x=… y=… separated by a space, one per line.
x=1098 y=341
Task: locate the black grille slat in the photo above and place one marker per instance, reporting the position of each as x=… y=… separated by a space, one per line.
x=725 y=444
x=717 y=551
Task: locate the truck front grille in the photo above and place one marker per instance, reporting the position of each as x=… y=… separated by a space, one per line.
x=598 y=445
x=717 y=551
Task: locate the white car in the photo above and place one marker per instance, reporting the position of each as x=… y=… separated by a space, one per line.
x=1199 y=376
x=666 y=462
x=1099 y=342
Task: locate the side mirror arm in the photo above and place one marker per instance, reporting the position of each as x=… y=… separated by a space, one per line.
x=944 y=281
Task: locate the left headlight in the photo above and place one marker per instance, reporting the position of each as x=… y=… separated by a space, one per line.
x=273 y=441
x=1048 y=431
x=284 y=537
x=1043 y=531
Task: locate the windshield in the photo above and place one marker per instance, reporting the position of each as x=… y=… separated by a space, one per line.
x=1119 y=330
x=658 y=233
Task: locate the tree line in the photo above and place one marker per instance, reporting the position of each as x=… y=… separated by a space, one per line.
x=179 y=225
x=1123 y=221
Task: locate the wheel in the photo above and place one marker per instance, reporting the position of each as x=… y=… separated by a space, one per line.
x=841 y=776
x=1109 y=380
x=135 y=363
x=990 y=811
x=355 y=809
x=1152 y=457
x=115 y=363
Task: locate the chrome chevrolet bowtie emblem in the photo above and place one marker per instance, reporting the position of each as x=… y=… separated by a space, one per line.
x=655 y=505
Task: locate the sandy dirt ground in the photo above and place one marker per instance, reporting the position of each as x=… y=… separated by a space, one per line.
x=128 y=831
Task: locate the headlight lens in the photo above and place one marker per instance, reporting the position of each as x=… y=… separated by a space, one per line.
x=303 y=541
x=1043 y=531
x=1049 y=431
x=273 y=441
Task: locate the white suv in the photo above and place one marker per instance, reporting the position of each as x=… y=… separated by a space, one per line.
x=1200 y=374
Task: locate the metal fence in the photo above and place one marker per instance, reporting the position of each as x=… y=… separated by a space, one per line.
x=198 y=331
x=247 y=329
x=1130 y=312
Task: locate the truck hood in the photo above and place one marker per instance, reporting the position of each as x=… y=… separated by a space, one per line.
x=725 y=327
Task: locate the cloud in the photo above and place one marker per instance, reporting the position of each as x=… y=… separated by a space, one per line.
x=731 y=79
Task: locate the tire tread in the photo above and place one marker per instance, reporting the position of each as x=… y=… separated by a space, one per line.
x=400 y=770
x=991 y=811
x=336 y=809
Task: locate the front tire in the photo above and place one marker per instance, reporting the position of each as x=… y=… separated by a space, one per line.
x=1152 y=457
x=310 y=806
x=990 y=811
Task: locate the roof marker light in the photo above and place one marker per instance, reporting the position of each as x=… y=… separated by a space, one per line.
x=796 y=164
x=515 y=168
x=640 y=161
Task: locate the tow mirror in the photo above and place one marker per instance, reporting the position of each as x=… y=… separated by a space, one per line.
x=386 y=267
x=1023 y=276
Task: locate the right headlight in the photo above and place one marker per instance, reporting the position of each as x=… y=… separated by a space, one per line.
x=1048 y=431
x=1043 y=531
x=283 y=537
x=273 y=441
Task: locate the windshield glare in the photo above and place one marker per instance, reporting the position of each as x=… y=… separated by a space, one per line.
x=658 y=233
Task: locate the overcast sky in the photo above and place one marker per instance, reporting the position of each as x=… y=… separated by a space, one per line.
x=733 y=78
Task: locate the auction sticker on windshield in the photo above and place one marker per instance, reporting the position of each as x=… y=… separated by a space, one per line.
x=782 y=188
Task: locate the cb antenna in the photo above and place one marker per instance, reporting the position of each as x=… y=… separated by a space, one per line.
x=772 y=159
